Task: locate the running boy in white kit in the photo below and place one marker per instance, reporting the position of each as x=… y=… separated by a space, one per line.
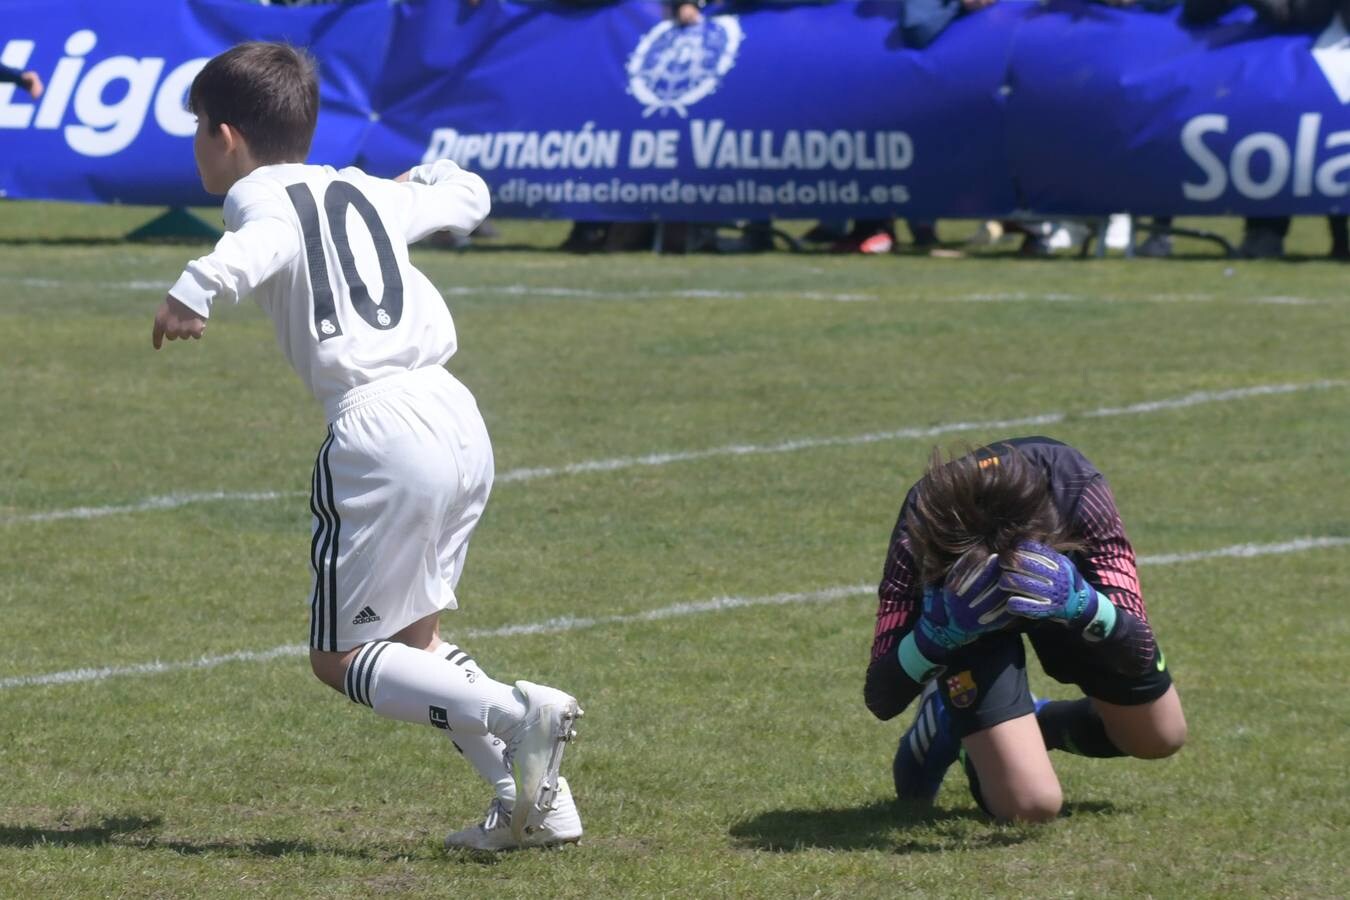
x=405 y=470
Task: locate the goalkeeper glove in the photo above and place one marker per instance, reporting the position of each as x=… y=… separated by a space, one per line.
x=968 y=604
x=1042 y=584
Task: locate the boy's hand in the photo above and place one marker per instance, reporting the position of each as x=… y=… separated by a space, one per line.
x=32 y=83
x=174 y=321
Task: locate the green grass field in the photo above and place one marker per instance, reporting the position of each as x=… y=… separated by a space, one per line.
x=753 y=423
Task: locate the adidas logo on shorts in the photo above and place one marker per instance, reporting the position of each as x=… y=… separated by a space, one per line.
x=366 y=616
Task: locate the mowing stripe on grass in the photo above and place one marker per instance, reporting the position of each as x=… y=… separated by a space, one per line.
x=576 y=623
x=1197 y=398
x=558 y=292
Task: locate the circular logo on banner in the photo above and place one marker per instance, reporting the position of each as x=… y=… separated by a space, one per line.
x=675 y=66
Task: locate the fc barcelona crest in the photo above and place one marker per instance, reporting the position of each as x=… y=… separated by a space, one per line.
x=961 y=689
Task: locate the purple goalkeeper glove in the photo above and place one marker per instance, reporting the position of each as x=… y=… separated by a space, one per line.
x=968 y=604
x=1043 y=584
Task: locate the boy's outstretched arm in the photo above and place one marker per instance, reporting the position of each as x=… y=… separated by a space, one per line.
x=443 y=196
x=173 y=320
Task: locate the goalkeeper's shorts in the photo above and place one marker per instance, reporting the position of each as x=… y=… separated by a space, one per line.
x=985 y=684
x=1069 y=660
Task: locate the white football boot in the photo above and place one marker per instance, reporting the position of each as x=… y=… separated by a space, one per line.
x=534 y=755
x=493 y=833
x=562 y=825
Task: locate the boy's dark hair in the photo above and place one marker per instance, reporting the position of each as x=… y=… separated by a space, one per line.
x=268 y=92
x=985 y=500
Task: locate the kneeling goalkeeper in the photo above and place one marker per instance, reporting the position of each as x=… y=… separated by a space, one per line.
x=1020 y=537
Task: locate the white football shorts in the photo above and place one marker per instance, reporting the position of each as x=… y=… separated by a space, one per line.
x=398 y=486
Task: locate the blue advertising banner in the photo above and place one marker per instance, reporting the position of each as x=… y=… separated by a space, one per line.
x=111 y=124
x=612 y=112
x=621 y=114
x=1138 y=113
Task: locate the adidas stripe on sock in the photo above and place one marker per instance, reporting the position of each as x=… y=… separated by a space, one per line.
x=458 y=656
x=411 y=685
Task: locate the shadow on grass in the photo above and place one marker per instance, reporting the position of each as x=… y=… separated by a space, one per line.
x=104 y=832
x=885 y=825
x=139 y=832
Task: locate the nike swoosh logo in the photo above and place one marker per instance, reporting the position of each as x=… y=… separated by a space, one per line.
x=1162 y=660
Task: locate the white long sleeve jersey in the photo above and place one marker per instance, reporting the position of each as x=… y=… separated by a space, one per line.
x=325 y=254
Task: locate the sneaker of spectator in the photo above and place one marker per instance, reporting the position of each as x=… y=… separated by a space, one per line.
x=1156 y=246
x=1067 y=235
x=1261 y=243
x=741 y=243
x=924 y=234
x=586 y=237
x=826 y=232
x=924 y=239
x=627 y=237
x=870 y=236
x=1119 y=230
x=990 y=232
x=1035 y=245
x=753 y=237
x=1340 y=234
x=881 y=242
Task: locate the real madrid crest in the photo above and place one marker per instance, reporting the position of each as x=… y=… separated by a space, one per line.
x=675 y=66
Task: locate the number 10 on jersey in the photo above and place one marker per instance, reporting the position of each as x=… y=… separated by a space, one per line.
x=337 y=199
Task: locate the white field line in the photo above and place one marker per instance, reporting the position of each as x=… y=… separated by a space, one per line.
x=507 y=290
x=1033 y=296
x=1053 y=418
x=1246 y=551
x=1287 y=301
x=525 y=290
x=554 y=292
x=1197 y=398
x=661 y=459
x=573 y=623
x=167 y=501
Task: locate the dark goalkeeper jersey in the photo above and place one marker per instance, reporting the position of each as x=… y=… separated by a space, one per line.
x=1085 y=503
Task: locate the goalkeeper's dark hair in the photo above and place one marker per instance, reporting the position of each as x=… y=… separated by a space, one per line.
x=266 y=91
x=983 y=499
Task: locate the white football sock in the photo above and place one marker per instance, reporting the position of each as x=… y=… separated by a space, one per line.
x=400 y=682
x=483 y=751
